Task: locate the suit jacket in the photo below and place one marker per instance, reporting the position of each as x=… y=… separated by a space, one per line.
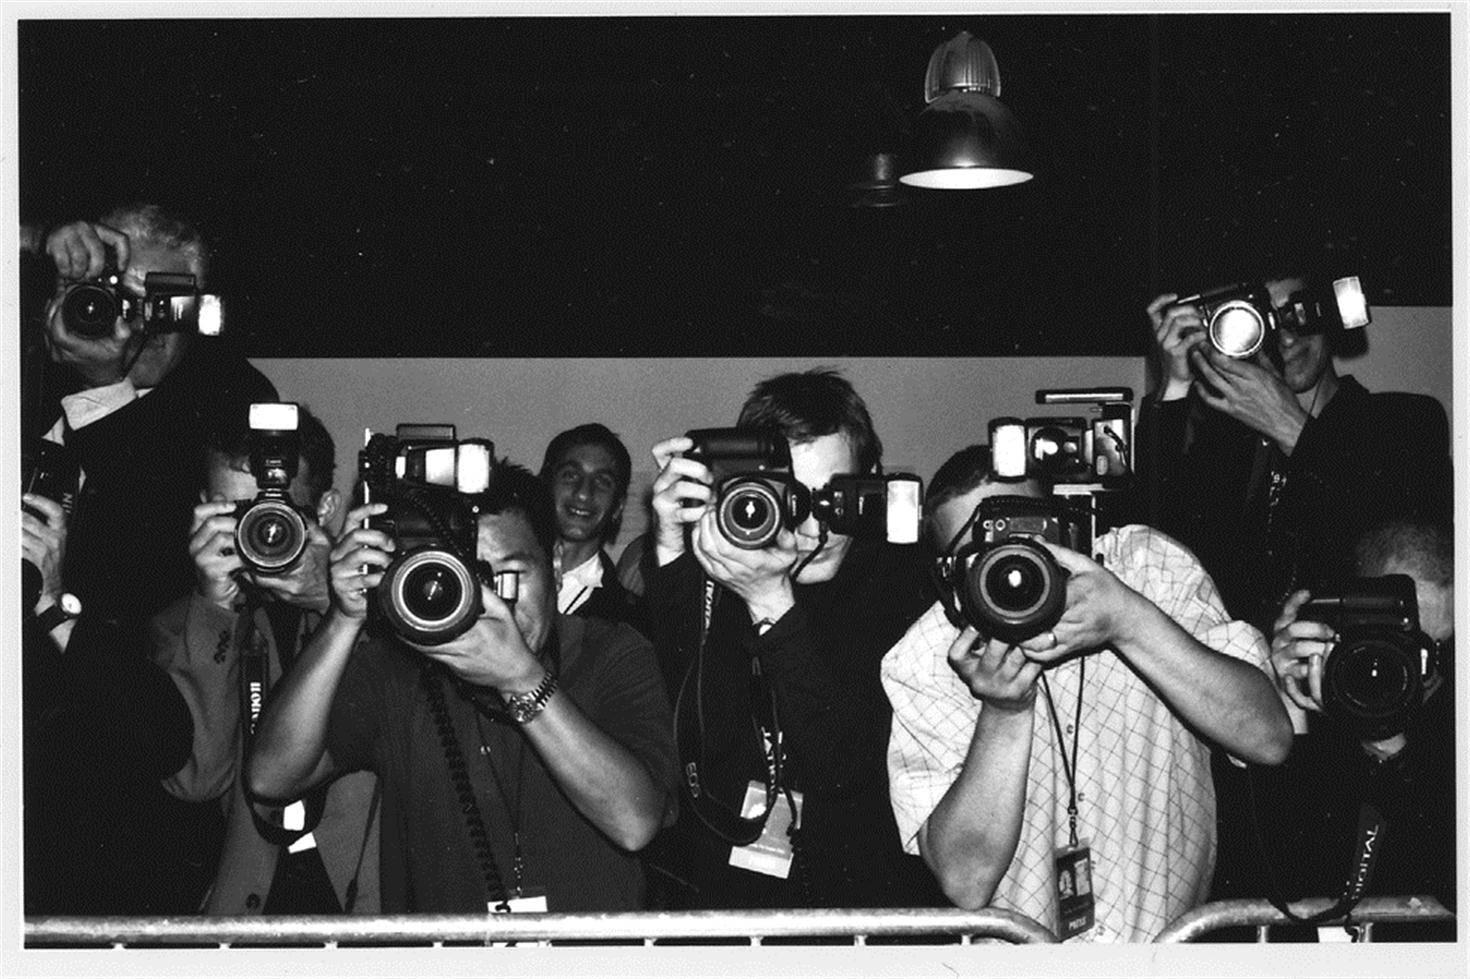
x=195 y=641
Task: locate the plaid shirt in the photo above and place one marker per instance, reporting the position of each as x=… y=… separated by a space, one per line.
x=1145 y=797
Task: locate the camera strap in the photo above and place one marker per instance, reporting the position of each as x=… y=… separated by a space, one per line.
x=255 y=683
x=1069 y=765
x=430 y=674
x=1369 y=838
x=724 y=821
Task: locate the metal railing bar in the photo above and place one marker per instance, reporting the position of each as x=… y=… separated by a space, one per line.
x=1189 y=926
x=646 y=927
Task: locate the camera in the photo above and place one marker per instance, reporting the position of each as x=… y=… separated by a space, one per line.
x=52 y=470
x=1093 y=451
x=171 y=303
x=1007 y=584
x=270 y=531
x=756 y=496
x=435 y=486
x=1239 y=317
x=1373 y=676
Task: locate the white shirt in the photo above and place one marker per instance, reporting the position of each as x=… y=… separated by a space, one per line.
x=1145 y=797
x=578 y=583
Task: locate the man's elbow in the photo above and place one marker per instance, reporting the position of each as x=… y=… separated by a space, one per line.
x=641 y=826
x=1273 y=737
x=961 y=882
x=266 y=782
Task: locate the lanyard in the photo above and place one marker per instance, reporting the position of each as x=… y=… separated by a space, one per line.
x=512 y=805
x=1069 y=766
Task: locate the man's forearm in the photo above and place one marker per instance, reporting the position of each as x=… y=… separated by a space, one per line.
x=970 y=838
x=605 y=781
x=1227 y=700
x=289 y=756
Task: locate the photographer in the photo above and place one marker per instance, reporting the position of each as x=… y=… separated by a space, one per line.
x=588 y=469
x=128 y=398
x=131 y=402
x=774 y=653
x=1062 y=774
x=1268 y=466
x=1403 y=766
x=522 y=762
x=228 y=643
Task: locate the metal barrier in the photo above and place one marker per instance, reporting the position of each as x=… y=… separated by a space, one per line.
x=1261 y=914
x=941 y=926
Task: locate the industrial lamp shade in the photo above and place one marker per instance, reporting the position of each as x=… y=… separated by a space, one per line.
x=965 y=139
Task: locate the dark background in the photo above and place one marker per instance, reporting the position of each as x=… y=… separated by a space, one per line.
x=677 y=186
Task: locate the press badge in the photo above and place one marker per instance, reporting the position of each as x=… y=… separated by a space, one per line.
x=771 y=853
x=527 y=902
x=1074 y=890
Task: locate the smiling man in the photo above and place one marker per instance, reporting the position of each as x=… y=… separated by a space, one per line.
x=773 y=653
x=587 y=469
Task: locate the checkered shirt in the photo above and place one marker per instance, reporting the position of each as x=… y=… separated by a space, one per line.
x=1145 y=797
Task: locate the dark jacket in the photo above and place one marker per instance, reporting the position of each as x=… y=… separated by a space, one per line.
x=1364 y=457
x=611 y=601
x=822 y=661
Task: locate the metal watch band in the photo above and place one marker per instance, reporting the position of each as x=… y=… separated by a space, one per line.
x=58 y=613
x=524 y=706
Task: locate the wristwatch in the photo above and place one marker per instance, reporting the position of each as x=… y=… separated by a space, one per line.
x=523 y=706
x=67 y=607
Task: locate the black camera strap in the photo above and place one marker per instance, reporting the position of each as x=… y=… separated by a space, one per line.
x=255 y=683
x=431 y=674
x=725 y=822
x=1369 y=839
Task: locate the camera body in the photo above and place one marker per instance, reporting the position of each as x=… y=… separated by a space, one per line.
x=435 y=487
x=52 y=470
x=171 y=303
x=1373 y=676
x=271 y=530
x=1007 y=584
x=756 y=495
x=1090 y=452
x=1239 y=318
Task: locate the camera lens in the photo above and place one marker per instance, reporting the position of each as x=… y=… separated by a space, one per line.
x=270 y=536
x=749 y=513
x=429 y=595
x=1014 y=591
x=89 y=311
x=1372 y=681
x=1237 y=329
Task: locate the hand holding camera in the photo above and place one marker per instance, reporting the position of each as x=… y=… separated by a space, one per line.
x=43 y=546
x=1356 y=654
x=80 y=249
x=759 y=577
x=1178 y=329
x=493 y=652
x=1251 y=392
x=681 y=494
x=998 y=673
x=357 y=562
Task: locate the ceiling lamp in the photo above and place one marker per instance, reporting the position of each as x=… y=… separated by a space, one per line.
x=965 y=139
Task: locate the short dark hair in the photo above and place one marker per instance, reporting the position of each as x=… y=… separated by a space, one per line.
x=156 y=225
x=317 y=452
x=513 y=487
x=966 y=469
x=1425 y=541
x=805 y=405
x=592 y=433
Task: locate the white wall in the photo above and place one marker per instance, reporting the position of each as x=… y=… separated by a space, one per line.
x=924 y=407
